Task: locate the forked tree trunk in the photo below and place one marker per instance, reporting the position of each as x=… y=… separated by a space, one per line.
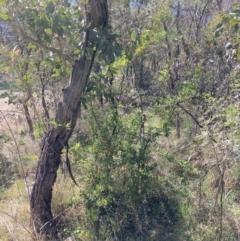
x=57 y=138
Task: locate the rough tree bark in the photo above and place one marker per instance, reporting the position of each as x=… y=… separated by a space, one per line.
x=57 y=138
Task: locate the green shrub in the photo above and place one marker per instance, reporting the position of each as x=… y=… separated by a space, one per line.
x=124 y=198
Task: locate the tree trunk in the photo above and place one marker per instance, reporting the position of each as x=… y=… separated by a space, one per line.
x=29 y=120
x=57 y=138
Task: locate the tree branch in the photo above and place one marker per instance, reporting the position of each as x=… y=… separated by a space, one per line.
x=19 y=30
x=56 y=51
x=185 y=110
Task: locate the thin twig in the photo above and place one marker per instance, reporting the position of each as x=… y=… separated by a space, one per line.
x=186 y=111
x=55 y=217
x=14 y=218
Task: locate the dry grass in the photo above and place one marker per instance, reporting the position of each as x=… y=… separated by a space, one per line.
x=22 y=154
x=14 y=214
x=15 y=210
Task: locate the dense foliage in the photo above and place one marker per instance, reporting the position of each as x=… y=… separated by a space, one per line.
x=156 y=148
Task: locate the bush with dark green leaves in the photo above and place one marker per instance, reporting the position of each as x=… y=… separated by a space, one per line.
x=124 y=196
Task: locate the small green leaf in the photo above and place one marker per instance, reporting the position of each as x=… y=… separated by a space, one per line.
x=4 y=15
x=77 y=52
x=134 y=36
x=233 y=21
x=31 y=46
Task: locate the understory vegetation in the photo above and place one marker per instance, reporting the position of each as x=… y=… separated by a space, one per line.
x=156 y=148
